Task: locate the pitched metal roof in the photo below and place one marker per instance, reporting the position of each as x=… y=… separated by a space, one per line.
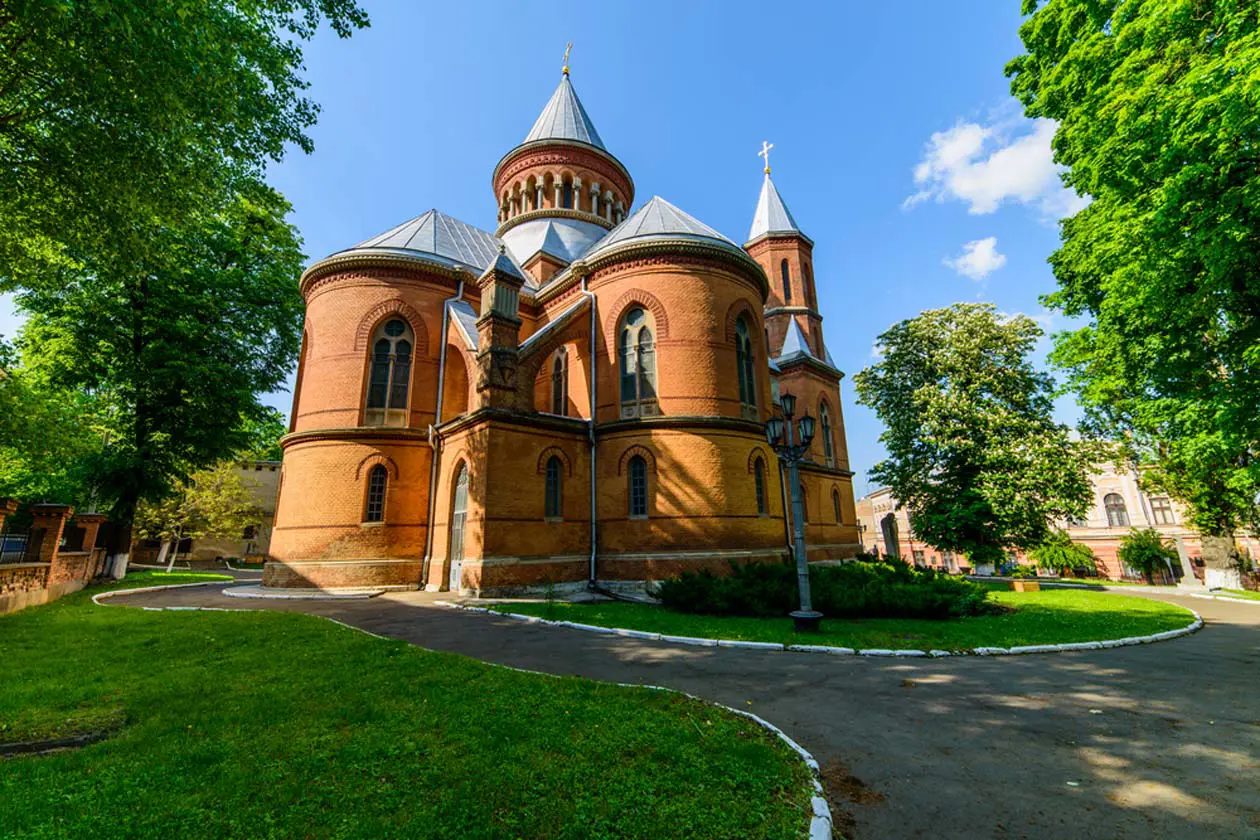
x=772 y=214
x=794 y=343
x=465 y=320
x=564 y=239
x=438 y=235
x=659 y=219
x=564 y=118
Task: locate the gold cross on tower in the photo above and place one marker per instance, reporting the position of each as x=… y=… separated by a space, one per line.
x=567 y=47
x=765 y=153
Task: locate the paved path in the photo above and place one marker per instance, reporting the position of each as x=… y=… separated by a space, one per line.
x=1157 y=741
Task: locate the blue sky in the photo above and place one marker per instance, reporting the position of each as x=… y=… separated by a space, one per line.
x=897 y=145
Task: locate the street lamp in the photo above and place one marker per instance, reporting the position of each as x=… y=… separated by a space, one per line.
x=779 y=434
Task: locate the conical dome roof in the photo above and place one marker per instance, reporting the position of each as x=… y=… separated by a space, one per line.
x=564 y=118
x=772 y=214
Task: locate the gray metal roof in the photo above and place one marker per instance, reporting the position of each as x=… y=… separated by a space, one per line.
x=794 y=343
x=772 y=215
x=557 y=323
x=659 y=219
x=564 y=118
x=436 y=234
x=465 y=320
x=564 y=239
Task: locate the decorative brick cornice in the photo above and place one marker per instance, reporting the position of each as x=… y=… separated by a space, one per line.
x=387 y=434
x=553 y=213
x=561 y=153
x=777 y=238
x=636 y=254
x=689 y=422
x=373 y=266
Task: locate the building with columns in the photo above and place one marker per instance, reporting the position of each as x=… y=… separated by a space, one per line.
x=578 y=396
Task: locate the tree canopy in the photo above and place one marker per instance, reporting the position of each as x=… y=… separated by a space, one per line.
x=973 y=453
x=1158 y=110
x=1144 y=549
x=119 y=117
x=179 y=345
x=1058 y=553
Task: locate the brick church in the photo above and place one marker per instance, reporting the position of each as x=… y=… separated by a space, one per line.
x=579 y=396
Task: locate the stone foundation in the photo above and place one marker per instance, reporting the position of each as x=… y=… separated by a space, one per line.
x=343 y=574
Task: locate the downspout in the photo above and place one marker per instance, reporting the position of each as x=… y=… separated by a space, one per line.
x=435 y=440
x=591 y=581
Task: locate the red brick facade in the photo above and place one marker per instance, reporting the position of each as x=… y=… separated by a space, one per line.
x=700 y=443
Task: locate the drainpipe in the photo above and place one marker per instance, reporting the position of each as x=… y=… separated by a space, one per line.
x=435 y=439
x=590 y=426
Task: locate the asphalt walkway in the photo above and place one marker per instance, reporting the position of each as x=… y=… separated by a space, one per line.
x=1154 y=741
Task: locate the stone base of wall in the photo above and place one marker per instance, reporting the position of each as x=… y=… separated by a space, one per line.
x=343 y=574
x=23 y=585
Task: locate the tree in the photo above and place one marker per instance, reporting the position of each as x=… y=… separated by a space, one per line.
x=1146 y=551
x=120 y=117
x=1159 y=122
x=179 y=344
x=212 y=503
x=972 y=450
x=263 y=433
x=1058 y=553
x=47 y=437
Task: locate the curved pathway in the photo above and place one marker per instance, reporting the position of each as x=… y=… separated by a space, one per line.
x=1159 y=740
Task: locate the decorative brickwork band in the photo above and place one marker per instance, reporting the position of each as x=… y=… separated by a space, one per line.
x=757 y=452
x=374 y=459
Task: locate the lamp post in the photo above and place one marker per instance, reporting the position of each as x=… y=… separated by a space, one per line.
x=779 y=433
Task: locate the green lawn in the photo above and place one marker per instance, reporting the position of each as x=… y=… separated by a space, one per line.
x=1046 y=617
x=1239 y=593
x=279 y=725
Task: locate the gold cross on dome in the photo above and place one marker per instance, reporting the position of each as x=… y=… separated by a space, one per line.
x=567 y=47
x=765 y=153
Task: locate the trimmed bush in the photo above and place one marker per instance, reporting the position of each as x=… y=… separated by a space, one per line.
x=853 y=590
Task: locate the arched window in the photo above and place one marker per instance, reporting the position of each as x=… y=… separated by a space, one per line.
x=560 y=383
x=638 y=487
x=744 y=363
x=759 y=484
x=811 y=294
x=390 y=376
x=1117 y=515
x=552 y=507
x=638 y=364
x=374 y=509
x=566 y=198
x=824 y=420
x=835 y=504
x=459 y=514
x=787 y=282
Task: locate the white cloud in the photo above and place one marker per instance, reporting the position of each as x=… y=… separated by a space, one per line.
x=979 y=259
x=986 y=165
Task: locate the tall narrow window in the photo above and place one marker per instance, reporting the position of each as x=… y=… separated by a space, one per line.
x=567 y=197
x=811 y=294
x=374 y=509
x=638 y=487
x=552 y=506
x=1117 y=514
x=787 y=282
x=824 y=419
x=744 y=362
x=835 y=504
x=637 y=354
x=1161 y=510
x=389 y=379
x=759 y=484
x=560 y=383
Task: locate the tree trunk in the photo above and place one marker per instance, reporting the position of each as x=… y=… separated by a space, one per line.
x=162 y=552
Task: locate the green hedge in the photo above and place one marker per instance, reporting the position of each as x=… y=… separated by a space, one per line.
x=853 y=590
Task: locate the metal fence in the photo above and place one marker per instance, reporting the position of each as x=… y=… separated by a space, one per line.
x=13 y=548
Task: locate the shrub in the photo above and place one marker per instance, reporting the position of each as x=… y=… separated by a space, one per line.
x=1145 y=550
x=1058 y=554
x=853 y=590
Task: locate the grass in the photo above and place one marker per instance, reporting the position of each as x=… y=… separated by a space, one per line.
x=1238 y=593
x=1037 y=618
x=278 y=725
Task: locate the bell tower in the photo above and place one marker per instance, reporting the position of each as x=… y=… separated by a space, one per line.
x=786 y=254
